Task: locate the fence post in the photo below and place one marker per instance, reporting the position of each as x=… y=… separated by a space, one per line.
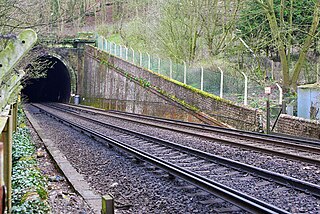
x=126 y=53
x=112 y=47
x=185 y=73
x=159 y=65
x=140 y=58
x=99 y=43
x=6 y=138
x=272 y=70
x=132 y=55
x=149 y=62
x=170 y=68
x=107 y=204
x=318 y=73
x=115 y=49
x=2 y=203
x=221 y=82
x=268 y=114
x=280 y=94
x=120 y=51
x=15 y=116
x=201 y=79
x=105 y=45
x=245 y=88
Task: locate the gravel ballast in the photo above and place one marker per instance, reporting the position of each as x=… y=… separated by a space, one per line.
x=309 y=204
x=137 y=188
x=62 y=197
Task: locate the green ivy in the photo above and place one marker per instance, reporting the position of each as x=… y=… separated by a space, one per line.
x=29 y=186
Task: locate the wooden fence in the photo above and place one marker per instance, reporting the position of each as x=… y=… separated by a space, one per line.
x=10 y=87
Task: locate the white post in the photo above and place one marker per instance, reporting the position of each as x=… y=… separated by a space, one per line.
x=159 y=64
x=245 y=89
x=120 y=51
x=170 y=68
x=110 y=47
x=318 y=73
x=280 y=93
x=106 y=45
x=126 y=53
x=201 y=80
x=185 y=73
x=272 y=70
x=221 y=82
x=115 y=49
x=132 y=55
x=149 y=61
x=140 y=63
x=99 y=43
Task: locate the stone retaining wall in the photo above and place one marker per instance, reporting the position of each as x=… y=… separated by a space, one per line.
x=120 y=87
x=297 y=126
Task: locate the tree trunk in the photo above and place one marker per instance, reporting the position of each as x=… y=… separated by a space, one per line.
x=276 y=35
x=306 y=46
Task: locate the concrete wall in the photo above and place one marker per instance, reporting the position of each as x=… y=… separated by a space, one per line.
x=117 y=84
x=104 y=87
x=297 y=126
x=111 y=83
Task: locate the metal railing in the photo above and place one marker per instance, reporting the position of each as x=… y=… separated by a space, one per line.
x=212 y=81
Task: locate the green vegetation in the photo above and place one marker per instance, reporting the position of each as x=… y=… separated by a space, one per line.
x=238 y=36
x=145 y=83
x=29 y=194
x=293 y=27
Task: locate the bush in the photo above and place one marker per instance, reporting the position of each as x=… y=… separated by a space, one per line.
x=29 y=186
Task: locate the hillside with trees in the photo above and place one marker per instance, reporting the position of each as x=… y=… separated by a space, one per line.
x=267 y=39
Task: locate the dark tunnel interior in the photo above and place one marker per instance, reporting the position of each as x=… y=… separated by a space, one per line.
x=54 y=87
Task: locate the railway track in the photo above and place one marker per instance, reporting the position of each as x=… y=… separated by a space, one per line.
x=291 y=148
x=209 y=172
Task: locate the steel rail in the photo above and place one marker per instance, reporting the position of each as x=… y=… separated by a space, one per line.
x=206 y=127
x=233 y=133
x=279 y=178
x=242 y=200
x=305 y=141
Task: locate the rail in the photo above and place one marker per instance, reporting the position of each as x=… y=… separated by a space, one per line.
x=203 y=131
x=196 y=179
x=282 y=179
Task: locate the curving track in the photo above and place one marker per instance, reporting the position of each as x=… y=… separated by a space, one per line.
x=291 y=148
x=220 y=176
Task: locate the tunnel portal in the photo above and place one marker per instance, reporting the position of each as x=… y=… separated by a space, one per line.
x=54 y=87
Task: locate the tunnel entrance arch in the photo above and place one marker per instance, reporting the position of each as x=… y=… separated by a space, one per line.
x=58 y=84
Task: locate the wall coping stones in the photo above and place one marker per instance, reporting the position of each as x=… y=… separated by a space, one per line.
x=298 y=126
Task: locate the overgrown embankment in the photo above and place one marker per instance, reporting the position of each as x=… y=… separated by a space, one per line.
x=29 y=186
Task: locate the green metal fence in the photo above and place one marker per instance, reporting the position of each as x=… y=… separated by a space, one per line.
x=209 y=80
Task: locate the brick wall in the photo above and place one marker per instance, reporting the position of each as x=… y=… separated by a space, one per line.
x=297 y=126
x=235 y=115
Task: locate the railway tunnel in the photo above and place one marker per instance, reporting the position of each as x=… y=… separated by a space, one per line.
x=54 y=86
